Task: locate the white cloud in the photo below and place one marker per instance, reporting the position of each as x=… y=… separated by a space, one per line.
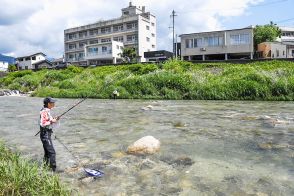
x=37 y=25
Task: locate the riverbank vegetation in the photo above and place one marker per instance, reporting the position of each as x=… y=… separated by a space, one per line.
x=263 y=80
x=22 y=177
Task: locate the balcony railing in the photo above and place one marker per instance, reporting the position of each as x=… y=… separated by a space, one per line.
x=90 y=54
x=99 y=34
x=74 y=49
x=76 y=59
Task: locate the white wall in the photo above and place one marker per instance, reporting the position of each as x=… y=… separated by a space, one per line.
x=3 y=66
x=144 y=45
x=117 y=49
x=278 y=50
x=29 y=63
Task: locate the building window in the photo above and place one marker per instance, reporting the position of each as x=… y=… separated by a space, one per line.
x=94 y=41
x=82 y=44
x=28 y=58
x=147 y=27
x=133 y=25
x=278 y=53
x=239 y=39
x=126 y=13
x=189 y=43
x=153 y=35
x=34 y=58
x=81 y=55
x=71 y=36
x=244 y=39
x=198 y=42
x=104 y=49
x=71 y=46
x=105 y=40
x=152 y=24
x=105 y=30
x=93 y=32
x=118 y=28
x=131 y=38
x=82 y=34
x=92 y=51
x=210 y=41
x=147 y=39
x=153 y=46
x=71 y=56
x=118 y=39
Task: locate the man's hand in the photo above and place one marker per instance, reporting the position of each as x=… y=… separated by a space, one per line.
x=54 y=120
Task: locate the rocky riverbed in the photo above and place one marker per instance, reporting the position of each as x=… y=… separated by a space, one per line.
x=206 y=147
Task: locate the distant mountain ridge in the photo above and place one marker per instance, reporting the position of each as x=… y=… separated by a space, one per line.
x=9 y=59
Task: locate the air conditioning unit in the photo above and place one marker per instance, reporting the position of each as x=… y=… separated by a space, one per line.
x=202 y=49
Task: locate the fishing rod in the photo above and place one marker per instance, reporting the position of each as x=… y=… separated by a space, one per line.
x=58 y=117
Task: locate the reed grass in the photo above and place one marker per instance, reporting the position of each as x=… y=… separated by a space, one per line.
x=19 y=176
x=268 y=80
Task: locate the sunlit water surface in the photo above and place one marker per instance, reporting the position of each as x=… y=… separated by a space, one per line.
x=207 y=147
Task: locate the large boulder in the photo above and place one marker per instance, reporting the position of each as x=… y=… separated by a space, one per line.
x=145 y=145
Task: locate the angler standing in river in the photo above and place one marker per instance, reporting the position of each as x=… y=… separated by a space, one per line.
x=46 y=123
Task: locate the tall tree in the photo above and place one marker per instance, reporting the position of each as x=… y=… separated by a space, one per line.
x=266 y=33
x=129 y=54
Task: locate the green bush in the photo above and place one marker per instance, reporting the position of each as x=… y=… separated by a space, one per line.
x=74 y=69
x=67 y=84
x=19 y=74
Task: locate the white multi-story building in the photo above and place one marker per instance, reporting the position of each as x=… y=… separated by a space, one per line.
x=218 y=45
x=102 y=42
x=28 y=62
x=287 y=38
x=287 y=34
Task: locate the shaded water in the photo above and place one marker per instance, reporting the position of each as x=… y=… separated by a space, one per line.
x=207 y=147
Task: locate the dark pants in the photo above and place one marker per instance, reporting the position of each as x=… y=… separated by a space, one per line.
x=50 y=155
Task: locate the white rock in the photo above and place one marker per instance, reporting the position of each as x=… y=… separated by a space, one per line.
x=149 y=107
x=145 y=145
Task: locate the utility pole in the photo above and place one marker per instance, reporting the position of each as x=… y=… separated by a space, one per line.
x=173 y=15
x=176 y=53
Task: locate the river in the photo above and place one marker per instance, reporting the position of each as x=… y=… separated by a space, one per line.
x=207 y=147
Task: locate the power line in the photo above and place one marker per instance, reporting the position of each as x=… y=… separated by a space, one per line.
x=236 y=8
x=283 y=21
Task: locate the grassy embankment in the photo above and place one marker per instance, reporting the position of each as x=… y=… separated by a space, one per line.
x=270 y=80
x=21 y=177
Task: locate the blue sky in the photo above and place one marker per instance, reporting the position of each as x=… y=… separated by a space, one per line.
x=269 y=10
x=30 y=26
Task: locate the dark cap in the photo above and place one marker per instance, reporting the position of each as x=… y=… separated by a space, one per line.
x=49 y=100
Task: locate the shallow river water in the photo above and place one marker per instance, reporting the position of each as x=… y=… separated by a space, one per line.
x=207 y=147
